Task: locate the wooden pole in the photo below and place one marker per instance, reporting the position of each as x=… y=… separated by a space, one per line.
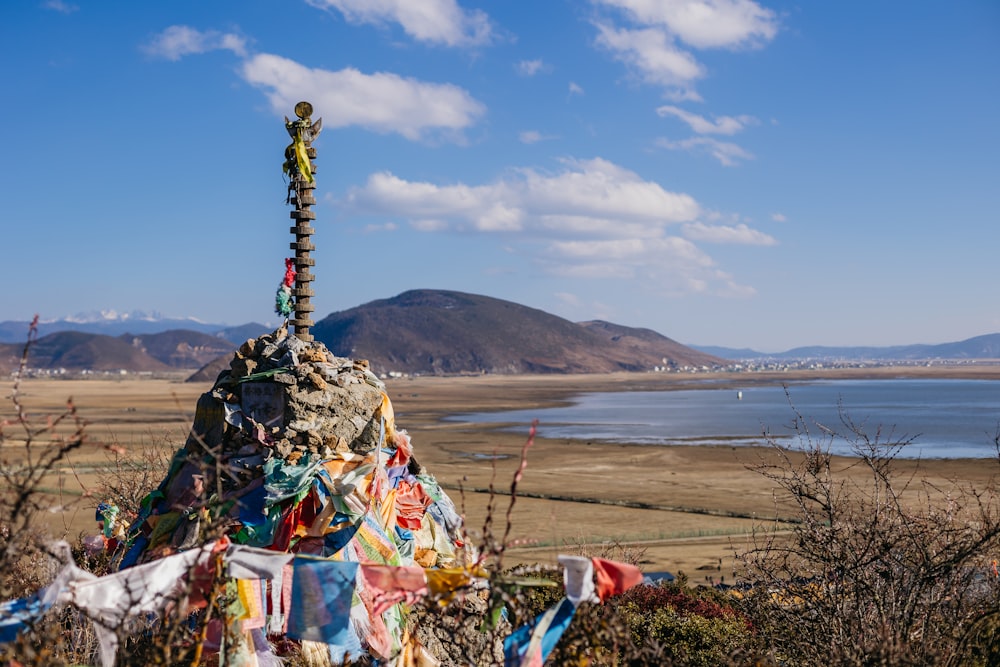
x=300 y=193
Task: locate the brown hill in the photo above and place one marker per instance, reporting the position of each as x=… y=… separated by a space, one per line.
x=74 y=350
x=444 y=332
x=654 y=348
x=77 y=351
x=180 y=348
x=10 y=355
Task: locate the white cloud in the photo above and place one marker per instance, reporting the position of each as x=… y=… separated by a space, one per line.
x=705 y=24
x=653 y=53
x=61 y=6
x=586 y=225
x=530 y=137
x=428 y=225
x=589 y=219
x=670 y=265
x=567 y=298
x=382 y=102
x=738 y=234
x=645 y=35
x=727 y=125
x=575 y=89
x=441 y=22
x=530 y=67
x=593 y=197
x=575 y=309
x=598 y=188
x=178 y=41
x=622 y=251
x=386 y=227
x=779 y=217
x=729 y=154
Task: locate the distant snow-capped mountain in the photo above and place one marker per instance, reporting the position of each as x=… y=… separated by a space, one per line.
x=95 y=316
x=114 y=323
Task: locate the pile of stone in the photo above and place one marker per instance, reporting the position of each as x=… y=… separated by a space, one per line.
x=296 y=450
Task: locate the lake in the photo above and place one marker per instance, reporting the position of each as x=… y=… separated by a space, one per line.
x=943 y=418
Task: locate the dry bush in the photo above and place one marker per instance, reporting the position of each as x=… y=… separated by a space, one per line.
x=34 y=448
x=40 y=446
x=127 y=476
x=881 y=569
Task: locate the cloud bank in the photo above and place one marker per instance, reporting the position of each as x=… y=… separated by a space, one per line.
x=438 y=22
x=589 y=219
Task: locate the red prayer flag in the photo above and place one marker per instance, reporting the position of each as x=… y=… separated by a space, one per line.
x=614 y=578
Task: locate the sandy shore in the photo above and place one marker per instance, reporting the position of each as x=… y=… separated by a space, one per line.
x=684 y=508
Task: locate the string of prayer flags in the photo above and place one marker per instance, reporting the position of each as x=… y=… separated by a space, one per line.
x=346 y=606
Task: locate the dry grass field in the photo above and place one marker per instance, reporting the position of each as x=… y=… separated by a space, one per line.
x=688 y=508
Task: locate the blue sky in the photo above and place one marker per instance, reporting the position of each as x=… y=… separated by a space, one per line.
x=725 y=172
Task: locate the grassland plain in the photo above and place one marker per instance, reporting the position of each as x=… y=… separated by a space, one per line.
x=690 y=508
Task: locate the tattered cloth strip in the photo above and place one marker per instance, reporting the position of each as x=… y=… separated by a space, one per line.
x=392 y=585
x=250 y=594
x=148 y=588
x=578 y=575
x=530 y=645
x=16 y=616
x=283 y=297
x=249 y=563
x=444 y=583
x=335 y=602
x=322 y=590
x=411 y=504
x=615 y=578
x=301 y=156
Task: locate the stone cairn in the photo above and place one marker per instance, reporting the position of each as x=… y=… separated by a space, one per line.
x=296 y=450
x=287 y=423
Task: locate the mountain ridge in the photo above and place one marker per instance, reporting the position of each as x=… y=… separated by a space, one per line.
x=424 y=331
x=442 y=331
x=986 y=346
x=16 y=331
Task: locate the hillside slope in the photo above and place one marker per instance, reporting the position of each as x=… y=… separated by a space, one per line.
x=180 y=348
x=654 y=348
x=75 y=350
x=444 y=332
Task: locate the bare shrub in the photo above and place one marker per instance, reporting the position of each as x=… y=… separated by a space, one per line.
x=40 y=445
x=127 y=476
x=881 y=568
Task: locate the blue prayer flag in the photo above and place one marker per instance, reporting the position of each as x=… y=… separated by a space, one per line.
x=17 y=615
x=321 y=592
x=531 y=644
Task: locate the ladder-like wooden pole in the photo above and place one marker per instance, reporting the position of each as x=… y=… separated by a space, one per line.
x=300 y=168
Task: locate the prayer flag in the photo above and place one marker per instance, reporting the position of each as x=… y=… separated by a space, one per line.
x=322 y=590
x=615 y=578
x=531 y=644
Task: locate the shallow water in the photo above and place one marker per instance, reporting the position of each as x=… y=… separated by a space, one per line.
x=940 y=418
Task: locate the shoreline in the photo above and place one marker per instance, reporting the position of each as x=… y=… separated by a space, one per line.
x=424 y=397
x=685 y=507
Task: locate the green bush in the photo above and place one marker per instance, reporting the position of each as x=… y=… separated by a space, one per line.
x=666 y=624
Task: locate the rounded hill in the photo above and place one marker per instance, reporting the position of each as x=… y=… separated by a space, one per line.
x=447 y=332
